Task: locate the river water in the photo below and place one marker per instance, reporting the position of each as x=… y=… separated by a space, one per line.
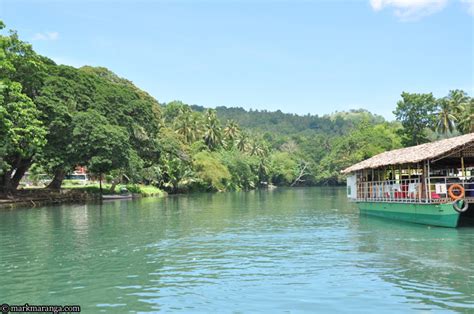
x=298 y=250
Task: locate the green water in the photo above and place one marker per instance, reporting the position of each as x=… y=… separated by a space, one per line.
x=298 y=250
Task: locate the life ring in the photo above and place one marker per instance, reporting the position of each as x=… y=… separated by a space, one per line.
x=462 y=209
x=458 y=187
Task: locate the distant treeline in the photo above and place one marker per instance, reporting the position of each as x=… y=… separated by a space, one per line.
x=56 y=117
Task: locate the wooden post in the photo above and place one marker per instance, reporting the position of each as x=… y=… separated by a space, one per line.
x=429 y=180
x=425 y=174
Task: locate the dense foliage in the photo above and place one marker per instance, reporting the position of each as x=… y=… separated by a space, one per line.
x=56 y=117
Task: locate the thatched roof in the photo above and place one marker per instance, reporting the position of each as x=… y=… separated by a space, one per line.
x=414 y=154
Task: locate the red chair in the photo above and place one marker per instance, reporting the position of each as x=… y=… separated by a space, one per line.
x=435 y=196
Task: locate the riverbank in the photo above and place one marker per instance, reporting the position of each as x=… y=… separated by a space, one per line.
x=34 y=197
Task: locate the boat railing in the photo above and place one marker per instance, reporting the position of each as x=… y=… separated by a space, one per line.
x=438 y=188
x=434 y=190
x=406 y=191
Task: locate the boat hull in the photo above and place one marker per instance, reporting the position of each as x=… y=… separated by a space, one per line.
x=116 y=197
x=442 y=215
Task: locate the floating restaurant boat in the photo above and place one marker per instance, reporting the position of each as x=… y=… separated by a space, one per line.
x=431 y=184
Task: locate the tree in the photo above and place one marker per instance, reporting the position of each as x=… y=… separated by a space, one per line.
x=415 y=111
x=362 y=143
x=466 y=118
x=445 y=117
x=284 y=168
x=19 y=63
x=68 y=91
x=174 y=171
x=452 y=111
x=257 y=148
x=22 y=134
x=242 y=143
x=242 y=168
x=102 y=147
x=65 y=92
x=231 y=131
x=187 y=124
x=22 y=72
x=214 y=176
x=213 y=130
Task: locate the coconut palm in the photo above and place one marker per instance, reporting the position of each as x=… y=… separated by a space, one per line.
x=466 y=118
x=257 y=148
x=213 y=130
x=242 y=142
x=183 y=126
x=445 y=117
x=187 y=124
x=452 y=112
x=231 y=130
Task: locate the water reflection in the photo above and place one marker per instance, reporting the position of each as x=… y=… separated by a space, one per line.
x=433 y=266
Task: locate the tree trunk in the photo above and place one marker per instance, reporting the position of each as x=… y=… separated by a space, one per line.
x=113 y=186
x=302 y=174
x=59 y=176
x=115 y=182
x=23 y=166
x=100 y=184
x=5 y=183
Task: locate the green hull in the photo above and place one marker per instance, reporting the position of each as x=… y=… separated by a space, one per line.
x=442 y=215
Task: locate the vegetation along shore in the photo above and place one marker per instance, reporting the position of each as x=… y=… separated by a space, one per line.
x=54 y=118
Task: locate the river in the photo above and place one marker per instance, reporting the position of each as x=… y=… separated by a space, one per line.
x=295 y=249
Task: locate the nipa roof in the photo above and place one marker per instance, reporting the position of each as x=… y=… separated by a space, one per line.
x=414 y=154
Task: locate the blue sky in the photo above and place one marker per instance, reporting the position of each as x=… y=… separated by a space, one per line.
x=297 y=56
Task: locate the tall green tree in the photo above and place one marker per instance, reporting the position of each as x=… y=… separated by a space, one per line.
x=22 y=73
x=104 y=146
x=66 y=92
x=22 y=134
x=415 y=112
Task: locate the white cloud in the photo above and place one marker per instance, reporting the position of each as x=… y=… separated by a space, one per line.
x=410 y=9
x=46 y=36
x=470 y=6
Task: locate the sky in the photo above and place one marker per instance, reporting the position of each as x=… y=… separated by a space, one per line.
x=296 y=56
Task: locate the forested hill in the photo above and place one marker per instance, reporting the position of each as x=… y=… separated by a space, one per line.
x=310 y=149
x=288 y=123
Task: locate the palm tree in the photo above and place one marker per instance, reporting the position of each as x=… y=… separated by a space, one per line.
x=452 y=112
x=231 y=130
x=213 y=130
x=242 y=142
x=188 y=125
x=446 y=119
x=183 y=126
x=257 y=148
x=466 y=118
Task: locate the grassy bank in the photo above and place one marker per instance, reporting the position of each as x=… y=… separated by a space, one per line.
x=71 y=193
x=143 y=190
